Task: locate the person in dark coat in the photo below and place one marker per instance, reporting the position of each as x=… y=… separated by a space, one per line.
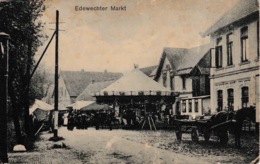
x=70 y=122
x=97 y=120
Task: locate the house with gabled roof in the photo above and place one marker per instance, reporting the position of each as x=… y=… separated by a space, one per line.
x=235 y=58
x=186 y=71
x=73 y=83
x=149 y=71
x=87 y=94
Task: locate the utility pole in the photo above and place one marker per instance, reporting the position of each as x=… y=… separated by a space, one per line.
x=56 y=82
x=56 y=103
x=4 y=69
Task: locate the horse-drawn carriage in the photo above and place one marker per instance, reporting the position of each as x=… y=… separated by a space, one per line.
x=219 y=124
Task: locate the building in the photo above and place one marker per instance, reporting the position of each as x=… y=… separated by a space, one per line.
x=73 y=83
x=186 y=71
x=234 y=78
x=87 y=94
x=149 y=71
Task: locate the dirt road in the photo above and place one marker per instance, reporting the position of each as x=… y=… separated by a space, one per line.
x=127 y=146
x=110 y=147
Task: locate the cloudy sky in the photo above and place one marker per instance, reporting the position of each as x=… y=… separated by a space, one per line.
x=116 y=40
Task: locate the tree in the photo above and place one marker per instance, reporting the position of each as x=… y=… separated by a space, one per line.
x=20 y=19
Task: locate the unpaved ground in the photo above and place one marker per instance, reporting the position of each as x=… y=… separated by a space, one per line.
x=125 y=146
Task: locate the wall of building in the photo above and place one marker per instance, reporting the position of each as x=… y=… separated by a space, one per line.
x=239 y=74
x=64 y=97
x=178 y=84
x=160 y=80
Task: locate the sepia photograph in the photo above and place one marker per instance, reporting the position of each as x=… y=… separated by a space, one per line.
x=120 y=81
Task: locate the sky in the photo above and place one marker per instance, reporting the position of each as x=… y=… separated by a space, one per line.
x=116 y=40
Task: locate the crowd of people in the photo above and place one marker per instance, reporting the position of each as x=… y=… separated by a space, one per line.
x=83 y=120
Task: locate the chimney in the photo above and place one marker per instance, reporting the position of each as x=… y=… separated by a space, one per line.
x=105 y=71
x=82 y=70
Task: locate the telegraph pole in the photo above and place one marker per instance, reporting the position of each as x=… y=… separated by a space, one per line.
x=4 y=69
x=56 y=77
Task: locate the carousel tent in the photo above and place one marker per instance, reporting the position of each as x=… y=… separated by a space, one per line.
x=133 y=83
x=136 y=90
x=94 y=107
x=80 y=104
x=41 y=110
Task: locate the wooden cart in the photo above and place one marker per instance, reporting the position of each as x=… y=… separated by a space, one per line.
x=203 y=127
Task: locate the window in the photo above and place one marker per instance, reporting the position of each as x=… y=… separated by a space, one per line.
x=196 y=106
x=230 y=99
x=165 y=79
x=190 y=106
x=220 y=100
x=258 y=55
x=218 y=54
x=245 y=98
x=178 y=108
x=183 y=82
x=184 y=106
x=229 y=49
x=172 y=82
x=244 y=44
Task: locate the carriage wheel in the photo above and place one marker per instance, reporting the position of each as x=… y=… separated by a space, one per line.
x=194 y=135
x=206 y=136
x=178 y=133
x=223 y=137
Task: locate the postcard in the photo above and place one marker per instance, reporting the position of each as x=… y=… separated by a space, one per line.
x=129 y=81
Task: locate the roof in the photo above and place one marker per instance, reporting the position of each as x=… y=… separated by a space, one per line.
x=86 y=95
x=193 y=56
x=242 y=9
x=154 y=72
x=134 y=82
x=148 y=70
x=183 y=60
x=38 y=104
x=77 y=81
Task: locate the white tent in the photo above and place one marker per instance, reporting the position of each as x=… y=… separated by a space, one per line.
x=38 y=104
x=80 y=104
x=134 y=82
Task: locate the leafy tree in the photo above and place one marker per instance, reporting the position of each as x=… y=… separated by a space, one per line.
x=20 y=19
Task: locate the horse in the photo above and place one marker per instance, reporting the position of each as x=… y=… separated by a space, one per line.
x=220 y=124
x=239 y=117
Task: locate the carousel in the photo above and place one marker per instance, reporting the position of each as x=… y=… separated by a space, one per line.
x=138 y=100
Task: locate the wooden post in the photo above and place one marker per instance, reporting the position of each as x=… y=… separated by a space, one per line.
x=56 y=100
x=56 y=88
x=4 y=69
